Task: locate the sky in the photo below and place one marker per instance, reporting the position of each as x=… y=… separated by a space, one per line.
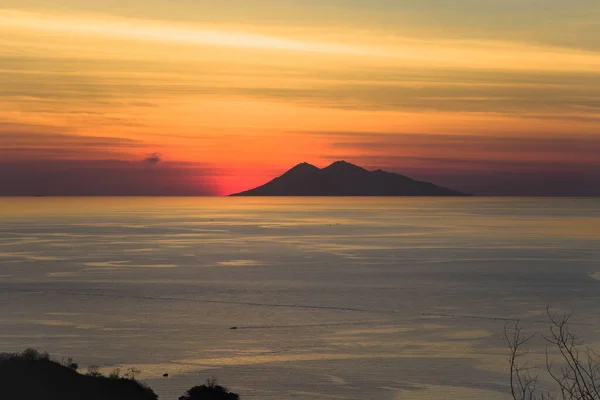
x=188 y=97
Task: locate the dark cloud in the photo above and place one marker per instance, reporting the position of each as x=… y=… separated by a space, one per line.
x=485 y=165
x=493 y=177
x=153 y=159
x=105 y=178
x=560 y=183
x=490 y=143
x=37 y=159
x=39 y=142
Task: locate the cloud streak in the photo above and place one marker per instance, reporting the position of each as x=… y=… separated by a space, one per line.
x=495 y=164
x=470 y=54
x=167 y=33
x=38 y=142
x=105 y=178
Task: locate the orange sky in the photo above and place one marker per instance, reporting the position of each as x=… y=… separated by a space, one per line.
x=484 y=97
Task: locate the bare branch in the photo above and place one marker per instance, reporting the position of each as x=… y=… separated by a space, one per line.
x=578 y=372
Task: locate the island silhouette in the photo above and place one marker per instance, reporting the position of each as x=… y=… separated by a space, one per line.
x=345 y=179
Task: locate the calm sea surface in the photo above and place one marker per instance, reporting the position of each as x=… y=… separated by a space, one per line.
x=333 y=298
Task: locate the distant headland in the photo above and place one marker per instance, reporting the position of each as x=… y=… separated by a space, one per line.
x=344 y=179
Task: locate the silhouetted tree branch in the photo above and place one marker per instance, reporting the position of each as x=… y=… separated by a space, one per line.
x=576 y=374
x=209 y=391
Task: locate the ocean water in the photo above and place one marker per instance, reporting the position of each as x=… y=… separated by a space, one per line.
x=333 y=298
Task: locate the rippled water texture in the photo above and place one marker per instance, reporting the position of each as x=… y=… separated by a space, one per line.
x=333 y=298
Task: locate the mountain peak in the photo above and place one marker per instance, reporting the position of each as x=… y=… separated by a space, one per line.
x=343 y=165
x=301 y=169
x=345 y=179
x=342 y=162
x=304 y=165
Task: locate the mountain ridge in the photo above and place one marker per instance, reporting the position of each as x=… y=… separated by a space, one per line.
x=342 y=178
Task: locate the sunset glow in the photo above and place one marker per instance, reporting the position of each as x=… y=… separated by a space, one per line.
x=482 y=97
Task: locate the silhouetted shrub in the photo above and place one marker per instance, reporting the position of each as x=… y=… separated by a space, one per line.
x=34 y=355
x=94 y=371
x=70 y=363
x=209 y=391
x=32 y=375
x=132 y=373
x=115 y=374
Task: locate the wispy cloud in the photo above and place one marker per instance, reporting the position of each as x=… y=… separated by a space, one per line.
x=110 y=27
x=38 y=142
x=471 y=54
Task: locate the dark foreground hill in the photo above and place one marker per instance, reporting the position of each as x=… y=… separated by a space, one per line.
x=23 y=378
x=345 y=179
